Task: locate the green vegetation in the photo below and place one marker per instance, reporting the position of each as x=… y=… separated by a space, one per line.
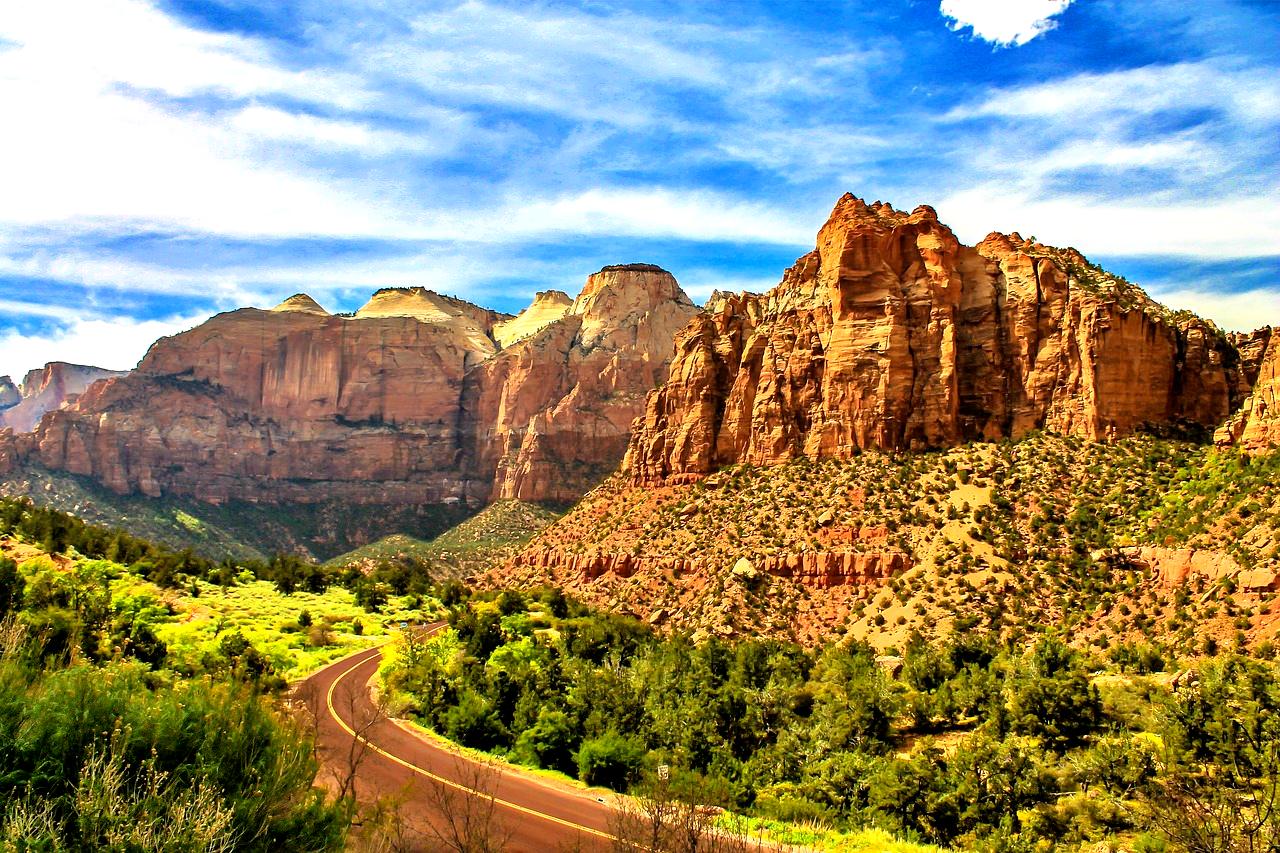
x=480 y=542
x=971 y=743
x=137 y=683
x=103 y=746
x=237 y=529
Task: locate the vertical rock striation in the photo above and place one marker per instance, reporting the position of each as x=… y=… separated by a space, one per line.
x=552 y=414
x=892 y=334
x=410 y=400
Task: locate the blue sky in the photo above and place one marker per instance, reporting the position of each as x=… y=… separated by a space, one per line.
x=165 y=160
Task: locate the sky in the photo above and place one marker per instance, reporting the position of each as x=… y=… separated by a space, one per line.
x=164 y=160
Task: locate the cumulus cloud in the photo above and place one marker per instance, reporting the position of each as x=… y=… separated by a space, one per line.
x=1004 y=23
x=116 y=343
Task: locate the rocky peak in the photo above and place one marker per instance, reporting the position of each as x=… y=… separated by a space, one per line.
x=473 y=324
x=547 y=307
x=623 y=295
x=302 y=303
x=9 y=393
x=893 y=334
x=47 y=389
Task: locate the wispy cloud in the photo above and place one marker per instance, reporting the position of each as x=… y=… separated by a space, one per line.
x=495 y=148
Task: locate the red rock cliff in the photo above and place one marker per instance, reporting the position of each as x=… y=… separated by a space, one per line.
x=410 y=400
x=893 y=334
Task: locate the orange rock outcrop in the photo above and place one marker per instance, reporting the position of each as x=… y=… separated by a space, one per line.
x=815 y=569
x=893 y=334
x=1256 y=427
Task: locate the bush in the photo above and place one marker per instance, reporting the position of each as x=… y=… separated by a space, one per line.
x=549 y=742
x=611 y=761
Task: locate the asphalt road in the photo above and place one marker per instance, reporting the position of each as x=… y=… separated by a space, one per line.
x=437 y=786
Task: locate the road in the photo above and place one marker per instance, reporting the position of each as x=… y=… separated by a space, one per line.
x=438 y=785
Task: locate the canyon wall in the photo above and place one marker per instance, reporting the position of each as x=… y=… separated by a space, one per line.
x=551 y=415
x=892 y=334
x=410 y=400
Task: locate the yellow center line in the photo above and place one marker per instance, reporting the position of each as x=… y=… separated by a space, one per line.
x=437 y=778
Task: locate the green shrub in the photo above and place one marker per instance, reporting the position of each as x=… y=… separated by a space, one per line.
x=611 y=761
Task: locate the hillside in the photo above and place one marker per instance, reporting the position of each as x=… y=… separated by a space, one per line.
x=486 y=539
x=1145 y=537
x=238 y=529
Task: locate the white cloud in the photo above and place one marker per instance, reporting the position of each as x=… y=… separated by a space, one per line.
x=1240 y=227
x=1237 y=312
x=116 y=344
x=1004 y=22
x=1247 y=95
x=87 y=143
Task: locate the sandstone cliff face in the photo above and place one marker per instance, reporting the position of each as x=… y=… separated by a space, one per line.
x=1256 y=427
x=408 y=401
x=45 y=389
x=892 y=334
x=552 y=414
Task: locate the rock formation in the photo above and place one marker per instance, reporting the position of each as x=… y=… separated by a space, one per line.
x=814 y=569
x=10 y=396
x=547 y=307
x=45 y=389
x=552 y=414
x=893 y=334
x=1256 y=427
x=411 y=400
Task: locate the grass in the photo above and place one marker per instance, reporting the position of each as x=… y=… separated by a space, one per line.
x=269 y=620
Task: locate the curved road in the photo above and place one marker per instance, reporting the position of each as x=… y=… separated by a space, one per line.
x=437 y=785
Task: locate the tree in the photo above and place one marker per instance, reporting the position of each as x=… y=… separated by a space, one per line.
x=465 y=815
x=550 y=741
x=11 y=585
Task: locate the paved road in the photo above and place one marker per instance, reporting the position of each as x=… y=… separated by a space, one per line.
x=535 y=816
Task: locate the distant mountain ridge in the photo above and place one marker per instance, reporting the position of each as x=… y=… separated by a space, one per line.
x=891 y=334
x=413 y=400
x=45 y=389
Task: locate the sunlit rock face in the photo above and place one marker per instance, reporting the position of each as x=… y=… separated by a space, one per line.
x=1256 y=427
x=410 y=400
x=893 y=334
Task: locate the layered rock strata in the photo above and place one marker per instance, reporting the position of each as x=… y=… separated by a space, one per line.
x=892 y=334
x=410 y=400
x=815 y=569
